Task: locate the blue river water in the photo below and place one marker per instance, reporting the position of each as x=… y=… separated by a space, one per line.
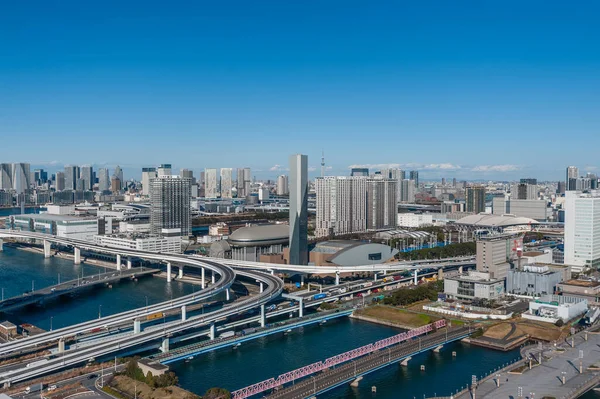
x=256 y=360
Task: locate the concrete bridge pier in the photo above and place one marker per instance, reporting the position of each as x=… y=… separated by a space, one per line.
x=337 y=278
x=137 y=326
x=460 y=270
x=438 y=349
x=61 y=345
x=164 y=348
x=301 y=278
x=183 y=313
x=227 y=295
x=375 y=276
x=355 y=382
x=168 y=272
x=118 y=262
x=77 y=255
x=203 y=279
x=416 y=277
x=129 y=263
x=180 y=274
x=1 y=245
x=262 y=287
x=301 y=308
x=212 y=332
x=213 y=276
x=405 y=361
x=263 y=317
x=47 y=249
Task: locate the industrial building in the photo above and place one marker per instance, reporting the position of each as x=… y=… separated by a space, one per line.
x=527 y=208
x=79 y=228
x=473 y=285
x=414 y=220
x=551 y=308
x=141 y=242
x=533 y=280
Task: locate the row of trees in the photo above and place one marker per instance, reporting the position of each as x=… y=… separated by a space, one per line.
x=245 y=217
x=132 y=370
x=407 y=296
x=452 y=250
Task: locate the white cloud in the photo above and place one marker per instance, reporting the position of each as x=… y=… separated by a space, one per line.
x=277 y=168
x=312 y=168
x=406 y=166
x=496 y=168
x=590 y=168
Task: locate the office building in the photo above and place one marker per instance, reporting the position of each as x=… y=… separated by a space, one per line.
x=282 y=185
x=414 y=175
x=382 y=204
x=6 y=176
x=188 y=174
x=524 y=191
x=87 y=175
x=494 y=253
x=211 y=185
x=147 y=175
x=21 y=176
x=454 y=182
x=71 y=176
x=534 y=209
x=298 y=209
x=475 y=199
x=141 y=242
x=115 y=185
x=593 y=178
x=529 y=180
x=407 y=191
x=414 y=220
x=40 y=176
x=59 y=184
x=582 y=229
x=474 y=285
x=396 y=174
x=103 y=180
x=226 y=183
x=533 y=280
x=170 y=213
x=571 y=178
x=164 y=170
x=359 y=172
x=119 y=174
x=243 y=180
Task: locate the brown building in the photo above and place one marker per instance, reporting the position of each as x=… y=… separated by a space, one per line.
x=8 y=330
x=115 y=184
x=581 y=288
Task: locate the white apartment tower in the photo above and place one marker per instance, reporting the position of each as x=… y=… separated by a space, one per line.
x=283 y=185
x=211 y=186
x=341 y=205
x=170 y=213
x=226 y=183
x=582 y=229
x=147 y=175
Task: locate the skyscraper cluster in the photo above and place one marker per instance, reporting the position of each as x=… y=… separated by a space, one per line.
x=575 y=182
x=15 y=176
x=219 y=183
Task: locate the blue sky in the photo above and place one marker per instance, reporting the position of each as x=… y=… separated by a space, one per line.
x=468 y=89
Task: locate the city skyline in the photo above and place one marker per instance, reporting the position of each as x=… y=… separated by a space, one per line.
x=401 y=79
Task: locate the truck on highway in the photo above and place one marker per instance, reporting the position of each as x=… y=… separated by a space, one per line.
x=227 y=334
x=319 y=296
x=34 y=388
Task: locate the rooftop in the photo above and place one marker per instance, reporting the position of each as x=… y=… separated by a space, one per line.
x=54 y=218
x=582 y=283
x=261 y=233
x=489 y=220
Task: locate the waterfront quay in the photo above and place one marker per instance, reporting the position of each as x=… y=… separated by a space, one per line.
x=567 y=370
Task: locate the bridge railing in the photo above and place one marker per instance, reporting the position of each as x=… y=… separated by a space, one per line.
x=333 y=361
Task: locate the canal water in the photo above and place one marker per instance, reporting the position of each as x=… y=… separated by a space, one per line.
x=256 y=360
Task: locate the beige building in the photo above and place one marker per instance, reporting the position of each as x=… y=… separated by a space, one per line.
x=494 y=253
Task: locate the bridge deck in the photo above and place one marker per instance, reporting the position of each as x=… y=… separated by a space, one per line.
x=71 y=286
x=347 y=372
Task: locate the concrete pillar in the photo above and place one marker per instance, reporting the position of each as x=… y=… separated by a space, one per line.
x=129 y=263
x=227 y=294
x=61 y=345
x=212 y=331
x=137 y=328
x=375 y=276
x=46 y=249
x=440 y=274
x=164 y=348
x=1 y=245
x=416 y=279
x=337 y=278
x=183 y=313
x=118 y=262
x=384 y=272
x=272 y=272
x=168 y=272
x=213 y=274
x=438 y=349
x=203 y=280
x=355 y=382
x=180 y=275
x=405 y=361
x=301 y=308
x=301 y=280
x=77 y=255
x=262 y=316
x=262 y=287
x=460 y=270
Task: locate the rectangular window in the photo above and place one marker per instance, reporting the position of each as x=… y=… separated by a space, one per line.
x=376 y=256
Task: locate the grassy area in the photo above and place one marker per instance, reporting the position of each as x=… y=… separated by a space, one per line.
x=397 y=316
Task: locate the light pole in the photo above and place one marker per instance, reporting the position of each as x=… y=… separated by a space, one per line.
x=59 y=278
x=32 y=285
x=146 y=304
x=99 y=311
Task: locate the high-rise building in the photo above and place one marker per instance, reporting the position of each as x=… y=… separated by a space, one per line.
x=188 y=174
x=6 y=176
x=454 y=182
x=21 y=176
x=59 y=184
x=382 y=203
x=119 y=174
x=475 y=199
x=414 y=175
x=115 y=184
x=529 y=180
x=170 y=213
x=40 y=176
x=87 y=175
x=571 y=178
x=407 y=191
x=247 y=181
x=103 y=180
x=561 y=187
x=582 y=225
x=494 y=253
x=341 y=205
x=593 y=180
x=71 y=176
x=395 y=174
x=226 y=183
x=147 y=175
x=524 y=191
x=164 y=170
x=298 y=209
x=241 y=192
x=282 y=185
x=211 y=184
x=359 y=172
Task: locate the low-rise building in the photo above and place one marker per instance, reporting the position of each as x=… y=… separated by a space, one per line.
x=141 y=242
x=473 y=285
x=80 y=228
x=580 y=288
x=8 y=330
x=414 y=220
x=350 y=253
x=532 y=280
x=551 y=308
x=152 y=366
